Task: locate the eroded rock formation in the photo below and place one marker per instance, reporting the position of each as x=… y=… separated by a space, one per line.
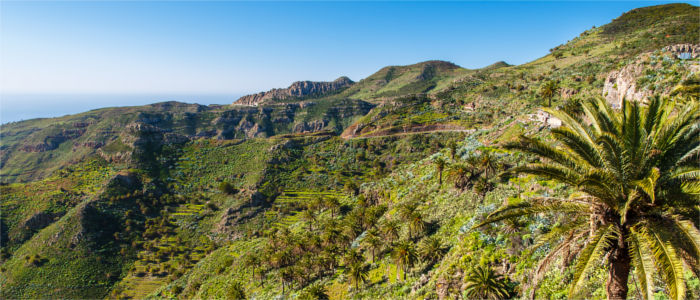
x=684 y=51
x=298 y=89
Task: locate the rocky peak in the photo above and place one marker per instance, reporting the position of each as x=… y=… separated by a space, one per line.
x=298 y=89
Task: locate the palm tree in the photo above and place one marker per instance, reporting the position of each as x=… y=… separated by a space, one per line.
x=316 y=203
x=488 y=164
x=462 y=174
x=415 y=223
x=483 y=186
x=236 y=291
x=373 y=242
x=287 y=276
x=358 y=272
x=332 y=204
x=315 y=291
x=353 y=256
x=404 y=255
x=390 y=229
x=431 y=249
x=439 y=166
x=638 y=182
x=308 y=216
x=453 y=149
x=484 y=283
x=251 y=261
x=548 y=90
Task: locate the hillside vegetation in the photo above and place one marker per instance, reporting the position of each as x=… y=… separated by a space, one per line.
x=427 y=181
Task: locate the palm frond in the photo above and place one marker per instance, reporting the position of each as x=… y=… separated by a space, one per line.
x=556 y=233
x=691 y=237
x=525 y=208
x=643 y=262
x=541 y=149
x=549 y=171
x=690 y=173
x=549 y=258
x=668 y=262
x=613 y=150
x=648 y=184
x=593 y=252
x=578 y=145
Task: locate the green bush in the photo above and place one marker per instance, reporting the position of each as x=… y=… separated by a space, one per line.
x=227 y=188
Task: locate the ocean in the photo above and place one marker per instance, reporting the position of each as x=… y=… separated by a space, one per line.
x=18 y=107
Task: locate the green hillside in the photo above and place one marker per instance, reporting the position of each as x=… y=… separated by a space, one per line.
x=411 y=183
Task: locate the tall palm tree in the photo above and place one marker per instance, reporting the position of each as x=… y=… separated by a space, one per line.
x=358 y=273
x=638 y=181
x=548 y=90
x=373 y=242
x=453 y=149
x=484 y=283
x=416 y=224
x=287 y=276
x=404 y=255
x=332 y=204
x=308 y=216
x=439 y=167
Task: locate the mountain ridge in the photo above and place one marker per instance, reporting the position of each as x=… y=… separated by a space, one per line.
x=289 y=198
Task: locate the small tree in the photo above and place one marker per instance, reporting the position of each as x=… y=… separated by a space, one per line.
x=358 y=273
x=484 y=283
x=431 y=249
x=236 y=291
x=404 y=255
x=439 y=167
x=227 y=188
x=315 y=291
x=372 y=242
x=453 y=149
x=548 y=90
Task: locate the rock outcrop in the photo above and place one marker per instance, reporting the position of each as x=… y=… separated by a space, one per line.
x=622 y=84
x=299 y=89
x=684 y=51
x=312 y=126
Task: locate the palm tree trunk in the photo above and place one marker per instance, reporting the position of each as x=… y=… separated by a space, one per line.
x=620 y=263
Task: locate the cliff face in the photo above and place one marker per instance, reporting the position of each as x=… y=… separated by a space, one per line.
x=298 y=89
x=651 y=73
x=622 y=84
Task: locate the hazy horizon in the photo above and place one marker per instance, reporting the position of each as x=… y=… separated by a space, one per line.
x=19 y=107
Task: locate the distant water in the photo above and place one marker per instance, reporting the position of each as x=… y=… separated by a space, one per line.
x=18 y=107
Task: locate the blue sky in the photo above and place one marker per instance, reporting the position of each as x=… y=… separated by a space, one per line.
x=239 y=47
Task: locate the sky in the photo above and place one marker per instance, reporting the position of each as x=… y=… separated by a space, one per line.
x=233 y=48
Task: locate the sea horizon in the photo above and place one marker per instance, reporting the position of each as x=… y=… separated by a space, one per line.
x=16 y=107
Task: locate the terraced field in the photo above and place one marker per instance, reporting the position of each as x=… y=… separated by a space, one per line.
x=288 y=206
x=165 y=256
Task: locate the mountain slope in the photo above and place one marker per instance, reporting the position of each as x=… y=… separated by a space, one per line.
x=297 y=195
